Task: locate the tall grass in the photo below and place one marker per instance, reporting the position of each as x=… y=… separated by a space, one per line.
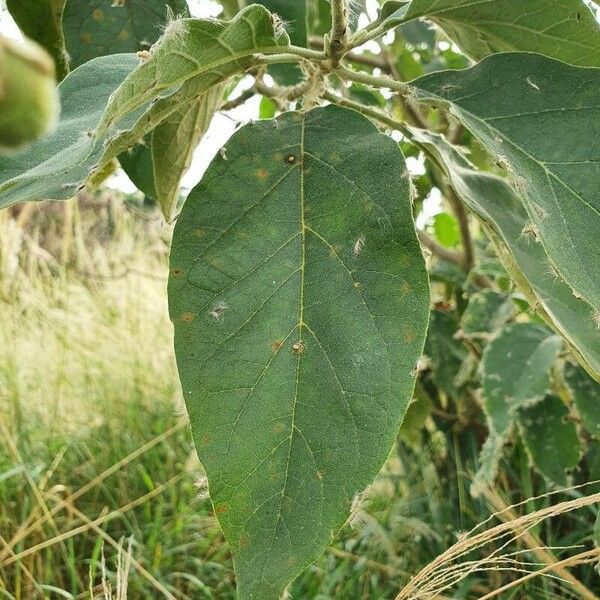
x=99 y=484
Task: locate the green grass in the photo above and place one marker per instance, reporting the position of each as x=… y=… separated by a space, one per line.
x=93 y=431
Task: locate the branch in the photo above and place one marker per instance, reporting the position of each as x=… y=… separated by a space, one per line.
x=368 y=60
x=337 y=41
x=463 y=223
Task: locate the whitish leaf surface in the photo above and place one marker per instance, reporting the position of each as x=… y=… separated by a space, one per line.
x=507 y=223
x=541 y=118
x=550 y=439
x=300 y=301
x=516 y=371
x=563 y=29
x=98 y=27
x=40 y=20
x=585 y=393
x=193 y=56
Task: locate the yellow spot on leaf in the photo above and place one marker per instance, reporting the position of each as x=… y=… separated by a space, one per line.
x=262 y=174
x=97 y=14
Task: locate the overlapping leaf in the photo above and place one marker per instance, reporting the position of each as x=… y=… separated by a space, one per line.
x=585 y=393
x=295 y=264
x=193 y=56
x=506 y=221
x=95 y=28
x=486 y=312
x=541 y=118
x=563 y=29
x=550 y=439
x=516 y=371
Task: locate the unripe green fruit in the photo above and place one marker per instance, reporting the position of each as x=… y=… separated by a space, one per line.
x=29 y=102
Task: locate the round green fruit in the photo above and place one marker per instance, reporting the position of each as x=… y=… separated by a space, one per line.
x=29 y=102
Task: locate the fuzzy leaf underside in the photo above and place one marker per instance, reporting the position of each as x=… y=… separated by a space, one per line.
x=506 y=221
x=295 y=264
x=541 y=118
x=193 y=56
x=95 y=28
x=516 y=371
x=563 y=29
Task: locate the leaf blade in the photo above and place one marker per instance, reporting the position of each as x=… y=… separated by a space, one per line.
x=301 y=334
x=506 y=101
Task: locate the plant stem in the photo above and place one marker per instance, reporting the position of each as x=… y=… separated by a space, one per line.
x=378 y=81
x=363 y=59
x=463 y=223
x=337 y=42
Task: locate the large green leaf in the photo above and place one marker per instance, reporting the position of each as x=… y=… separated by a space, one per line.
x=193 y=56
x=40 y=20
x=507 y=223
x=97 y=27
x=550 y=439
x=516 y=371
x=300 y=303
x=586 y=397
x=524 y=110
x=562 y=29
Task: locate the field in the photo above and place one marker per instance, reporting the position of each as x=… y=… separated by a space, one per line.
x=101 y=493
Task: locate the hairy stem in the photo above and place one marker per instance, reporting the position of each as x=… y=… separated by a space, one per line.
x=337 y=42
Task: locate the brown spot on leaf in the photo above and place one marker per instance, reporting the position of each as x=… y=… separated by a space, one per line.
x=290 y=159
x=276 y=345
x=279 y=427
x=124 y=35
x=206 y=440
x=187 y=317
x=176 y=272
x=244 y=540
x=262 y=174
x=298 y=348
x=97 y=14
x=406 y=288
x=409 y=336
x=86 y=37
x=222 y=508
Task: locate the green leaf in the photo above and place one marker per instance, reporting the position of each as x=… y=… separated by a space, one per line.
x=522 y=107
x=267 y=108
x=486 y=312
x=565 y=29
x=40 y=20
x=507 y=223
x=550 y=439
x=445 y=353
x=295 y=262
x=158 y=166
x=516 y=371
x=586 y=396
x=173 y=145
x=98 y=27
x=193 y=56
x=446 y=230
